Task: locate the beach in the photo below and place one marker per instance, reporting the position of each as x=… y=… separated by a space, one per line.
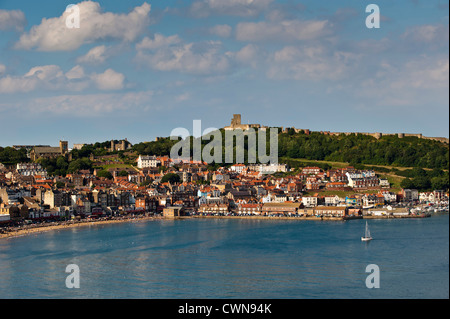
x=39 y=228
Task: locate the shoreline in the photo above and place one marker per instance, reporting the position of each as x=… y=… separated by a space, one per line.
x=72 y=224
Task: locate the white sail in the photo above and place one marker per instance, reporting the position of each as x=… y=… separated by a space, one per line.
x=367 y=236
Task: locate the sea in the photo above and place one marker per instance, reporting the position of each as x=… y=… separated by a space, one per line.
x=231 y=259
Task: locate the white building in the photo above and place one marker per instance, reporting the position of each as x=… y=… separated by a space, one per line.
x=332 y=200
x=389 y=197
x=148 y=161
x=384 y=183
x=309 y=201
x=269 y=168
x=238 y=168
x=30 y=169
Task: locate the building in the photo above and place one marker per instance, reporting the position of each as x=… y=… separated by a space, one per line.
x=281 y=208
x=78 y=146
x=54 y=198
x=410 y=194
x=269 y=168
x=331 y=211
x=236 y=124
x=332 y=200
x=214 y=208
x=147 y=203
x=238 y=168
x=310 y=201
x=311 y=170
x=249 y=209
x=13 y=211
x=173 y=212
x=363 y=180
x=148 y=161
x=384 y=183
x=30 y=169
x=49 y=152
x=121 y=145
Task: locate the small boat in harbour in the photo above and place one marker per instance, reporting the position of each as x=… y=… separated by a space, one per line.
x=367 y=236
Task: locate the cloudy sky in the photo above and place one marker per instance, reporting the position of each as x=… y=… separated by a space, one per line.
x=138 y=69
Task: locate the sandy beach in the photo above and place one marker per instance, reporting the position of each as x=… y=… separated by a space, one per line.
x=34 y=229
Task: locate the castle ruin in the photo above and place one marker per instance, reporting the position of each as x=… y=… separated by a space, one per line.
x=236 y=124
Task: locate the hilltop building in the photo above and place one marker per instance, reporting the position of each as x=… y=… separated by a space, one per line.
x=236 y=124
x=122 y=145
x=49 y=152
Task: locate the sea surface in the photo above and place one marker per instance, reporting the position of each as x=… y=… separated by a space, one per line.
x=223 y=258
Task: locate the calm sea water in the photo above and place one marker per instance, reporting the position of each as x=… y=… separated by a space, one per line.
x=232 y=259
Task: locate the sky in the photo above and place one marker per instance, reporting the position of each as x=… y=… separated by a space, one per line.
x=139 y=70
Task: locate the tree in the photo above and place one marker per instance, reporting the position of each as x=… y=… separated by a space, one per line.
x=105 y=174
x=171 y=177
x=61 y=163
x=440 y=183
x=407 y=184
x=422 y=182
x=123 y=173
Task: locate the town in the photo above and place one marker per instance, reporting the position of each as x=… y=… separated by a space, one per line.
x=161 y=186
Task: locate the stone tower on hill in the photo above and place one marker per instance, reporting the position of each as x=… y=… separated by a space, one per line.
x=236 y=124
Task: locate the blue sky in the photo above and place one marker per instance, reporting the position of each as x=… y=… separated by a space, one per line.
x=138 y=69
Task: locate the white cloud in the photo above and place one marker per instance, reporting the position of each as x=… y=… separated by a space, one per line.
x=248 y=55
x=77 y=72
x=158 y=41
x=416 y=82
x=12 y=20
x=423 y=73
x=96 y=55
x=2 y=69
x=169 y=54
x=109 y=80
x=283 y=31
x=53 y=34
x=222 y=30
x=242 y=8
x=51 y=77
x=10 y=84
x=427 y=34
x=88 y=105
x=312 y=63
x=183 y=97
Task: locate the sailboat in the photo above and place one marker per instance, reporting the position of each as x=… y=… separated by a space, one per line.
x=367 y=236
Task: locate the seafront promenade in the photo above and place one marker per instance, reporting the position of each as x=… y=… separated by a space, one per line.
x=61 y=225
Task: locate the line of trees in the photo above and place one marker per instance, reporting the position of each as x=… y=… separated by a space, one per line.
x=353 y=148
x=11 y=156
x=421 y=179
x=362 y=149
